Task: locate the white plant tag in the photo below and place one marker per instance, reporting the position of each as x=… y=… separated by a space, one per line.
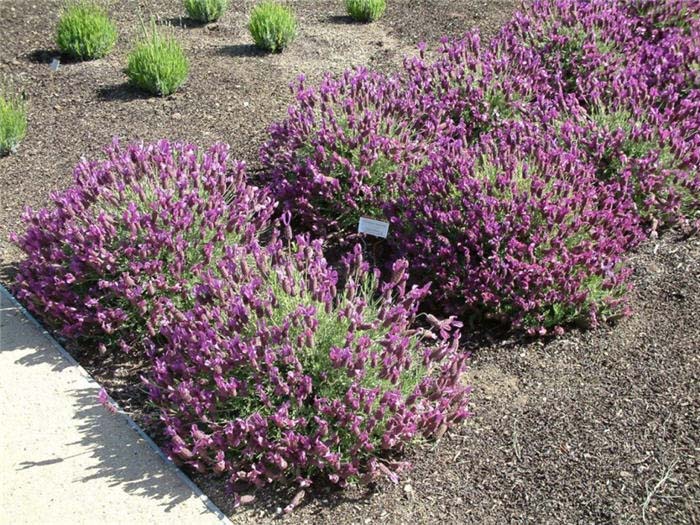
x=372 y=227
x=54 y=64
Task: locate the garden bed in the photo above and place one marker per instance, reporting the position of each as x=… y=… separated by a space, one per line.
x=583 y=428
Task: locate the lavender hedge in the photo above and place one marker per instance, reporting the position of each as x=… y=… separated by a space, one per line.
x=595 y=105
x=262 y=365
x=516 y=176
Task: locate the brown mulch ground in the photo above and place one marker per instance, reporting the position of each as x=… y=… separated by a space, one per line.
x=593 y=427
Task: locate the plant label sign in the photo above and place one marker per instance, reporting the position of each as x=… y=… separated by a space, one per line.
x=372 y=227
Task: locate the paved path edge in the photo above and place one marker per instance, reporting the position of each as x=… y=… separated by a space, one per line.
x=134 y=426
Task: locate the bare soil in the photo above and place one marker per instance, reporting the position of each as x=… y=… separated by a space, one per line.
x=592 y=427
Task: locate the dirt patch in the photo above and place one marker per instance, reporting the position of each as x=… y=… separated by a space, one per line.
x=596 y=427
x=429 y=20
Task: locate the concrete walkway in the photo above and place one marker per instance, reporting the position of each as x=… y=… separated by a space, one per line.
x=63 y=457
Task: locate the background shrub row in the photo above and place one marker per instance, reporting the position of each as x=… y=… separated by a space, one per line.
x=158 y=63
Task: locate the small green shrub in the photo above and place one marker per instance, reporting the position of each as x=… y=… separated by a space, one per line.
x=206 y=10
x=365 y=10
x=85 y=31
x=272 y=26
x=13 y=120
x=157 y=64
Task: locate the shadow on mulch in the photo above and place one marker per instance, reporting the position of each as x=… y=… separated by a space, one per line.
x=7 y=273
x=241 y=51
x=124 y=92
x=45 y=56
x=182 y=22
x=341 y=20
x=272 y=499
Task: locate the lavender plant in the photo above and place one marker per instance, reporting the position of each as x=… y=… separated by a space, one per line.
x=273 y=26
x=157 y=63
x=633 y=73
x=470 y=89
x=344 y=151
x=658 y=161
x=261 y=367
x=365 y=10
x=134 y=228
x=519 y=230
x=13 y=118
x=205 y=10
x=85 y=30
x=274 y=373
x=615 y=84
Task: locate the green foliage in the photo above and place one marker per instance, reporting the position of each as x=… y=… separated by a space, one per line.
x=376 y=175
x=636 y=148
x=332 y=332
x=85 y=31
x=365 y=10
x=13 y=120
x=206 y=10
x=157 y=64
x=272 y=26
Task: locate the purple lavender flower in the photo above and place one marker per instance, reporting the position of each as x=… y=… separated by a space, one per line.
x=517 y=174
x=277 y=375
x=131 y=230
